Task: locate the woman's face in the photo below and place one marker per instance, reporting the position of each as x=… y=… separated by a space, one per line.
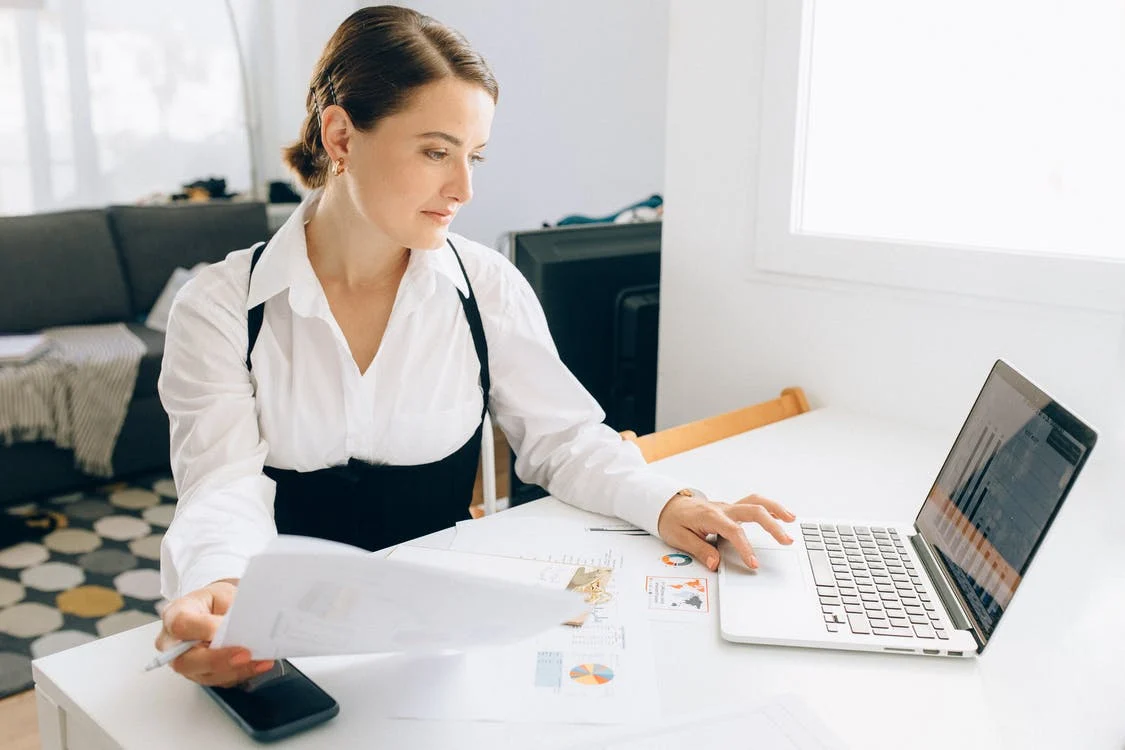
x=412 y=172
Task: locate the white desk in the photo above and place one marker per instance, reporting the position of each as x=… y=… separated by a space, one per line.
x=1054 y=675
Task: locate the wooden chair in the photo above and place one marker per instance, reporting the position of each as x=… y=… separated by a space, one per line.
x=658 y=445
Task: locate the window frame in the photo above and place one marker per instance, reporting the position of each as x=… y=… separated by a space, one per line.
x=1024 y=276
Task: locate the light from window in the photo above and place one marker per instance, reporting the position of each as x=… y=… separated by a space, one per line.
x=989 y=123
x=110 y=101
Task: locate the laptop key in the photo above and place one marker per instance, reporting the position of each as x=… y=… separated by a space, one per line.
x=854 y=609
x=905 y=632
x=920 y=620
x=830 y=601
x=941 y=634
x=858 y=623
x=821 y=569
x=826 y=590
x=832 y=627
x=924 y=631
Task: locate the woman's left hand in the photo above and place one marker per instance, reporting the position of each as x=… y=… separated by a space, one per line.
x=686 y=521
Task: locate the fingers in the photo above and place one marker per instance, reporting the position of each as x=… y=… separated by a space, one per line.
x=759 y=514
x=219 y=667
x=734 y=534
x=689 y=542
x=185 y=625
x=774 y=508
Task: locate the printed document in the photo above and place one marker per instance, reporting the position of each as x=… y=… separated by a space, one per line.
x=602 y=672
x=311 y=597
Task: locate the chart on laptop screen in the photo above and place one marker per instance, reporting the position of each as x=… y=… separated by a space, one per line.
x=997 y=493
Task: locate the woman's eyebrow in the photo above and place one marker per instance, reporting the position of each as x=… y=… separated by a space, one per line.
x=447 y=137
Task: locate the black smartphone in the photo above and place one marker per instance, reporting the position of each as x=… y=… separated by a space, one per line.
x=277 y=703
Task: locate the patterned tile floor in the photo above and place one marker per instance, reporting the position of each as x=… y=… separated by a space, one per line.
x=95 y=575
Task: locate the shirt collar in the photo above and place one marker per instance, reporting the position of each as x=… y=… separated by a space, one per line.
x=284 y=264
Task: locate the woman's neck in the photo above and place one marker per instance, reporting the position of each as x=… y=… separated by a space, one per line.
x=346 y=251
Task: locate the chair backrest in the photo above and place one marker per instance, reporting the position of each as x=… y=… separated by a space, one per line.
x=684 y=437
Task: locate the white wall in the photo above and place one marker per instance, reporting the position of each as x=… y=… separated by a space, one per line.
x=730 y=337
x=580 y=123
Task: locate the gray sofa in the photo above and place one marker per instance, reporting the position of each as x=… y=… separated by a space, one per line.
x=101 y=266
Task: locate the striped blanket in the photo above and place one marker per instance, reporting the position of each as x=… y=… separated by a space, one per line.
x=75 y=394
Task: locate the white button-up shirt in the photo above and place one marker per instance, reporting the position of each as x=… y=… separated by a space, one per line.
x=305 y=405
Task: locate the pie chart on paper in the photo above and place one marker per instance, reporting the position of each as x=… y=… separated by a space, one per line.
x=591 y=674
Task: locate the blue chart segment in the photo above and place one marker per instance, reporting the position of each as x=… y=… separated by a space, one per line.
x=548 y=669
x=591 y=674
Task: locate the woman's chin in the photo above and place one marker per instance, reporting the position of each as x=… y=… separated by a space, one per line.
x=429 y=239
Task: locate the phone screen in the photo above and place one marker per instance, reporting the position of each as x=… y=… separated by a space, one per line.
x=278 y=702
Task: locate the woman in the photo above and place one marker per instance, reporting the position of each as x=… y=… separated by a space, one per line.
x=333 y=382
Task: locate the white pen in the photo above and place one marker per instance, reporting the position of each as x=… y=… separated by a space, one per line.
x=169 y=656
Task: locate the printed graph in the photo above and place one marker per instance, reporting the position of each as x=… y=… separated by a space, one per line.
x=591 y=674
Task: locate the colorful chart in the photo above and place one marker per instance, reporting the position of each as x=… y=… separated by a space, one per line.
x=591 y=674
x=676 y=559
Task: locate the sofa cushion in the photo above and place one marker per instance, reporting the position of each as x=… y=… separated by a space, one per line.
x=154 y=240
x=149 y=371
x=59 y=269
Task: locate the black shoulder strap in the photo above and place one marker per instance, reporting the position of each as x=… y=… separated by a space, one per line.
x=472 y=314
x=255 y=314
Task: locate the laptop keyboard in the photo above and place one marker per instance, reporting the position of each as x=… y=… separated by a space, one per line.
x=867 y=584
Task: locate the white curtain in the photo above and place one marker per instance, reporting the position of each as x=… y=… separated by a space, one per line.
x=112 y=101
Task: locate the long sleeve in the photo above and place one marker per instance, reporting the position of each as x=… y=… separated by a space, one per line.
x=225 y=509
x=555 y=425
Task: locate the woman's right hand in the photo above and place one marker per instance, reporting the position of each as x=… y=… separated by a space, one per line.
x=196 y=617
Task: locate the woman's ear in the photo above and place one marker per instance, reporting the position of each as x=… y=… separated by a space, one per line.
x=335 y=131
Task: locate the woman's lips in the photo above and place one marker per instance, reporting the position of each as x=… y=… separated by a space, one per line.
x=439 y=217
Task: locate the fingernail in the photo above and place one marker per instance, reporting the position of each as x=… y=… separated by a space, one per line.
x=242 y=657
x=753 y=561
x=712 y=563
x=263 y=667
x=788 y=539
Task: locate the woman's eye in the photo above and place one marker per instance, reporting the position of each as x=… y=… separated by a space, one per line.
x=436 y=155
x=477 y=159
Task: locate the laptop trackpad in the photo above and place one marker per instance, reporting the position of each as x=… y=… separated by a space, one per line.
x=778 y=569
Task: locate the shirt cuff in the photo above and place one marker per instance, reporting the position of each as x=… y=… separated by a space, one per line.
x=209 y=569
x=642 y=506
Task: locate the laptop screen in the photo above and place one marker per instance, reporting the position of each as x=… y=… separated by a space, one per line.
x=1004 y=480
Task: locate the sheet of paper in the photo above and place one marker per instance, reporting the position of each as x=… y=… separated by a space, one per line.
x=590 y=581
x=314 y=598
x=784 y=723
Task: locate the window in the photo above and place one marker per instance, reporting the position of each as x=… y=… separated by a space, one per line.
x=109 y=101
x=969 y=145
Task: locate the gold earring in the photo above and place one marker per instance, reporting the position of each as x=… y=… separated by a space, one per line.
x=338 y=168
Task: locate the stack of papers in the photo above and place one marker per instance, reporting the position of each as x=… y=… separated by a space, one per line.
x=22 y=348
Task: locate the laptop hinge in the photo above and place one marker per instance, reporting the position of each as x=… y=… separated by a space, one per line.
x=941 y=583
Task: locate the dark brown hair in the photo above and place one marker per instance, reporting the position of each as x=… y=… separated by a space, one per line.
x=370 y=67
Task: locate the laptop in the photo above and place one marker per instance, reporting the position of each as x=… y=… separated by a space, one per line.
x=937 y=587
